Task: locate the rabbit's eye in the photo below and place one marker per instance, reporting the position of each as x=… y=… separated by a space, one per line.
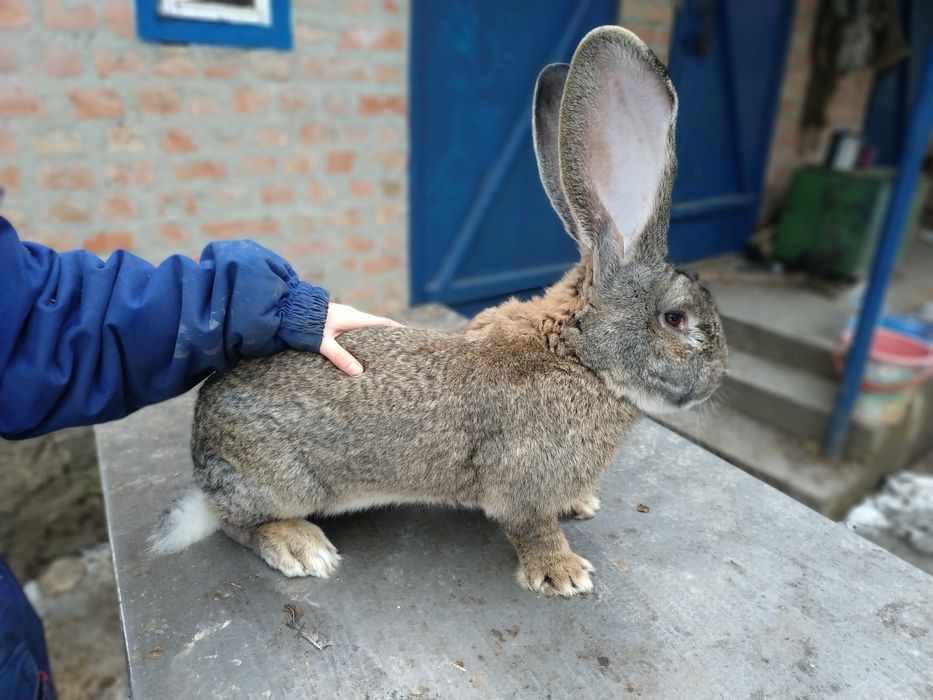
x=675 y=319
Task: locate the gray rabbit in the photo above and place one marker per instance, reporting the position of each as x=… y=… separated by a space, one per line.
x=518 y=414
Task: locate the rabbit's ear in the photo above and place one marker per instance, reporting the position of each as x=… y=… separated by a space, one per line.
x=617 y=145
x=545 y=121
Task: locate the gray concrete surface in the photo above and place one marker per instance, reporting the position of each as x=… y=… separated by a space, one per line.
x=724 y=588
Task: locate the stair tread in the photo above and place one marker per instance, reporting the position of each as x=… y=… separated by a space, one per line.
x=796 y=385
x=788 y=462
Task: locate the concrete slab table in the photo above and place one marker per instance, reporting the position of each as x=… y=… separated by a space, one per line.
x=723 y=588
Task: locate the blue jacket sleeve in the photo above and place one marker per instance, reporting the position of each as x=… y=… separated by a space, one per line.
x=85 y=341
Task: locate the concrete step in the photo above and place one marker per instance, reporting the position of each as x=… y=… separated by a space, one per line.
x=792 y=400
x=788 y=398
x=781 y=459
x=805 y=353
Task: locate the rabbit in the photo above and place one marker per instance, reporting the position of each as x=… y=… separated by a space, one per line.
x=519 y=413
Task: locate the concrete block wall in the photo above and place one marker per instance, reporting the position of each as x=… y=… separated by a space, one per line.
x=107 y=142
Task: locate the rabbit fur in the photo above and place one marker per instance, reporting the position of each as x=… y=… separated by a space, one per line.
x=520 y=413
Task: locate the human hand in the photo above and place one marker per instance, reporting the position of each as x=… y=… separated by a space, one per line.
x=340 y=319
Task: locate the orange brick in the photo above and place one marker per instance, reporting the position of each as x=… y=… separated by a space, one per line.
x=240 y=228
x=356 y=7
x=309 y=249
x=66 y=178
x=118 y=18
x=200 y=170
x=346 y=218
x=247 y=101
x=107 y=241
x=61 y=63
x=388 y=74
x=96 y=104
x=361 y=188
x=357 y=244
x=160 y=101
x=340 y=161
x=372 y=38
x=337 y=105
x=9 y=179
x=116 y=207
x=124 y=139
x=259 y=165
x=291 y=103
x=177 y=202
x=8 y=144
x=173 y=233
x=298 y=165
x=59 y=143
x=370 y=105
x=657 y=14
x=381 y=264
x=270 y=66
x=107 y=63
x=7 y=59
x=391 y=160
x=387 y=214
x=126 y=174
x=175 y=67
x=272 y=137
x=222 y=70
x=334 y=68
x=68 y=213
x=18 y=102
x=316 y=191
x=175 y=141
x=70 y=18
x=278 y=194
x=316 y=132
x=204 y=106
x=359 y=295
x=14 y=14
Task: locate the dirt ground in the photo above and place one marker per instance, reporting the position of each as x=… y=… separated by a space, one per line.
x=53 y=534
x=76 y=597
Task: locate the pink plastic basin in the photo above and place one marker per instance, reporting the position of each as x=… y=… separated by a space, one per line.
x=896 y=362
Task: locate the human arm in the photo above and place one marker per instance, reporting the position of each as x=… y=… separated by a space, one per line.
x=85 y=341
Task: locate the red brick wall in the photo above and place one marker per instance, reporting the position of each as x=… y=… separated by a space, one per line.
x=652 y=21
x=107 y=142
x=790 y=147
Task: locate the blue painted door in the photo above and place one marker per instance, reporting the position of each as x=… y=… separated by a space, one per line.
x=482 y=227
x=895 y=90
x=727 y=63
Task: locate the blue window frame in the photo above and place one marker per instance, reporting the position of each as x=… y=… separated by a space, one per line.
x=188 y=22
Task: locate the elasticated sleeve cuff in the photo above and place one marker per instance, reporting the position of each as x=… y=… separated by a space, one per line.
x=303 y=313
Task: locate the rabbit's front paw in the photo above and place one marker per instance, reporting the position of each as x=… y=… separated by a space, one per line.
x=568 y=576
x=583 y=508
x=297 y=548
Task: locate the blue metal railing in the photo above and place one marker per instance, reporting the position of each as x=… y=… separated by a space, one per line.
x=919 y=131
